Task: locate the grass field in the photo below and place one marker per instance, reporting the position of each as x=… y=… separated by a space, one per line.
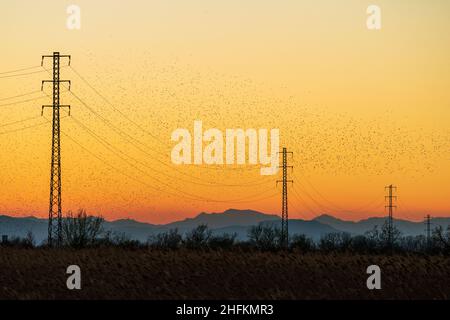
x=115 y=273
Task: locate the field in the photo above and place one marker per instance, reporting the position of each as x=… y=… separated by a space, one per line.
x=115 y=273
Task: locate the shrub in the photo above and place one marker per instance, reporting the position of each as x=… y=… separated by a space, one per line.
x=198 y=237
x=224 y=241
x=166 y=240
x=336 y=241
x=18 y=242
x=413 y=243
x=302 y=243
x=363 y=244
x=264 y=237
x=117 y=239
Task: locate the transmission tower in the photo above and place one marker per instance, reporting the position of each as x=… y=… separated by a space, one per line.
x=284 y=241
x=54 y=211
x=428 y=224
x=391 y=207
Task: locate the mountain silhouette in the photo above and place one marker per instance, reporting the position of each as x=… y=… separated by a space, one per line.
x=229 y=221
x=228 y=218
x=360 y=227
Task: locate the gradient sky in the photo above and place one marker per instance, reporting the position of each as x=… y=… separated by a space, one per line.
x=360 y=109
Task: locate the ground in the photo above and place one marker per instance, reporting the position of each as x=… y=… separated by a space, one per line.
x=117 y=273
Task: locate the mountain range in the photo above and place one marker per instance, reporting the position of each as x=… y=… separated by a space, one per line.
x=229 y=221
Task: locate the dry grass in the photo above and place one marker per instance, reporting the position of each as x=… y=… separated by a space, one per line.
x=115 y=273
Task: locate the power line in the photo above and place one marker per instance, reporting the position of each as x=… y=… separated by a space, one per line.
x=317 y=203
x=375 y=203
x=20 y=95
x=14 y=75
x=116 y=109
x=301 y=200
x=120 y=171
x=23 y=128
x=114 y=150
x=134 y=123
x=21 y=69
x=191 y=196
x=18 y=121
x=195 y=198
x=329 y=208
x=110 y=147
x=22 y=101
x=20 y=74
x=296 y=209
x=131 y=140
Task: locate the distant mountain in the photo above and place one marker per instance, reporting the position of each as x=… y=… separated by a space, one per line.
x=228 y=218
x=360 y=227
x=132 y=228
x=19 y=227
x=230 y=221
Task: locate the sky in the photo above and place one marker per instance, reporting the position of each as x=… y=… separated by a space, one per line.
x=360 y=109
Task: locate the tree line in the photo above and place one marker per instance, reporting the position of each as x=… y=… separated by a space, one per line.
x=81 y=230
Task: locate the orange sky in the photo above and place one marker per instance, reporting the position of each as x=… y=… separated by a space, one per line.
x=360 y=109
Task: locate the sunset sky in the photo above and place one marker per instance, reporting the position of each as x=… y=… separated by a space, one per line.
x=359 y=108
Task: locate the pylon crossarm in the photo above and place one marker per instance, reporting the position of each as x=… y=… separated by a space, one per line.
x=57 y=55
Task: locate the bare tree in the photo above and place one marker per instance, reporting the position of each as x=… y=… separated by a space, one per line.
x=81 y=230
x=198 y=237
x=302 y=243
x=265 y=237
x=442 y=238
x=30 y=240
x=335 y=241
x=380 y=237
